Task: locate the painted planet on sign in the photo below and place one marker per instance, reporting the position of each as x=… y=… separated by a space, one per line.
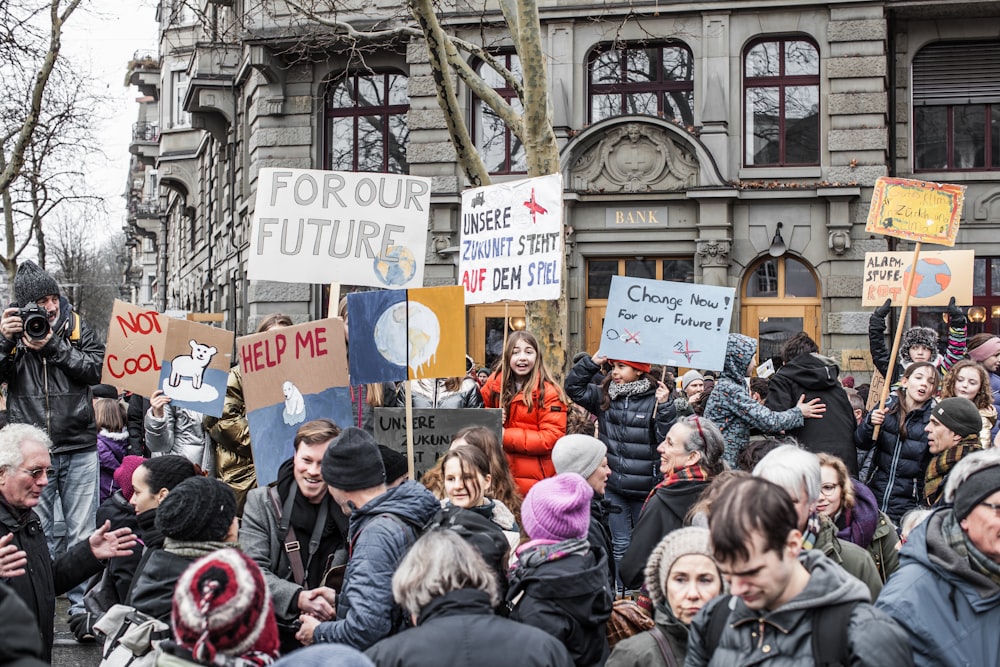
x=423 y=337
x=397 y=266
x=931 y=278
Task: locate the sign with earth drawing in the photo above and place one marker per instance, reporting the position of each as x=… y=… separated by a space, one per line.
x=916 y=210
x=940 y=275
x=312 y=226
x=667 y=322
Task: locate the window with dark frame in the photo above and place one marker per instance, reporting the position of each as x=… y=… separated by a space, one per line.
x=502 y=152
x=781 y=98
x=366 y=122
x=652 y=79
x=956 y=119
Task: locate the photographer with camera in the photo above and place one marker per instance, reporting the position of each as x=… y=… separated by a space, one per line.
x=49 y=358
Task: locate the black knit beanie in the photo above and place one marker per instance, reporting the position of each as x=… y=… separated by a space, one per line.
x=199 y=509
x=31 y=283
x=353 y=461
x=394 y=463
x=976 y=488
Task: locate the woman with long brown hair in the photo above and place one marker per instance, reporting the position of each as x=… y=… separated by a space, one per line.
x=969 y=379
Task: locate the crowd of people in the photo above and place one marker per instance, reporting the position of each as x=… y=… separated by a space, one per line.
x=623 y=517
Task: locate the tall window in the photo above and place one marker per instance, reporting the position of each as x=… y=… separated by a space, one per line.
x=956 y=119
x=179 y=117
x=653 y=80
x=366 y=122
x=502 y=152
x=781 y=82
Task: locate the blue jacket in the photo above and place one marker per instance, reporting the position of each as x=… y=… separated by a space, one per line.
x=899 y=462
x=379 y=533
x=734 y=411
x=950 y=612
x=632 y=428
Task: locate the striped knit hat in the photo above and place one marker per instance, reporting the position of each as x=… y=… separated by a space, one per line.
x=222 y=605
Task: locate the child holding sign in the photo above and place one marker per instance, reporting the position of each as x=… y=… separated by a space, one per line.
x=634 y=412
x=534 y=409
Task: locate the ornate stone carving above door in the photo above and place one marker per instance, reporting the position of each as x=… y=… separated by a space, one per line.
x=636 y=157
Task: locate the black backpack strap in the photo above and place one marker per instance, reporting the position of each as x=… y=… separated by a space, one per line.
x=829 y=634
x=718 y=618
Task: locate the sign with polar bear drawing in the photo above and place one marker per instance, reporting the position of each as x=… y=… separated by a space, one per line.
x=195 y=369
x=312 y=226
x=291 y=376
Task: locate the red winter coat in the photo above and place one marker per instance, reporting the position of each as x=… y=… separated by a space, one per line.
x=528 y=437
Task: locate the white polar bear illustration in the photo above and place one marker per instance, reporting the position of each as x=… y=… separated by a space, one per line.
x=191 y=365
x=295 y=404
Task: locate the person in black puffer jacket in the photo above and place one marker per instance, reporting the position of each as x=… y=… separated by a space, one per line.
x=634 y=412
x=901 y=455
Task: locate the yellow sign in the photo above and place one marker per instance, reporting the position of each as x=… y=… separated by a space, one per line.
x=940 y=275
x=916 y=210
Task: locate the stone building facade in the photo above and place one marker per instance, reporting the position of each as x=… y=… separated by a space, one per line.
x=720 y=142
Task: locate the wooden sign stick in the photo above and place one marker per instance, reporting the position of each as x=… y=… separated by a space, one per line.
x=409 y=429
x=899 y=334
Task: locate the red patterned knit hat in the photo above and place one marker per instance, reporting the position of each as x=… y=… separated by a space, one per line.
x=222 y=605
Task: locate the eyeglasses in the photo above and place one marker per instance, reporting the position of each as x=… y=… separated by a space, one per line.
x=36 y=473
x=828 y=489
x=992 y=506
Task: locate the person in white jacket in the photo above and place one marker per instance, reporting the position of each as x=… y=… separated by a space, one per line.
x=174 y=430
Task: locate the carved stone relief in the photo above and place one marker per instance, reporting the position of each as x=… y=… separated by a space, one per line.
x=636 y=158
x=713 y=252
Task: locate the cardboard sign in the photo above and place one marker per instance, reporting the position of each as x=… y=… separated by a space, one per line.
x=196 y=362
x=292 y=375
x=406 y=334
x=312 y=226
x=433 y=430
x=940 y=275
x=856 y=361
x=916 y=210
x=134 y=356
x=512 y=241
x=665 y=322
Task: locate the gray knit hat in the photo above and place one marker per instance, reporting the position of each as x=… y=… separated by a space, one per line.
x=31 y=283
x=677 y=543
x=690 y=377
x=918 y=336
x=578 y=453
x=960 y=415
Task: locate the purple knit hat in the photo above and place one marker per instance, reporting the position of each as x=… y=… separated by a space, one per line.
x=123 y=474
x=558 y=508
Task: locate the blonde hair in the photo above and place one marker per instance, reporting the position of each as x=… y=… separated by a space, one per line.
x=847 y=497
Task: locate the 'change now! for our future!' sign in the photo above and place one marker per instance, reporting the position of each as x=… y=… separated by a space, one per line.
x=312 y=226
x=666 y=322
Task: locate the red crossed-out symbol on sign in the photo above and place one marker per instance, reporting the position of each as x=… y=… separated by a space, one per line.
x=632 y=337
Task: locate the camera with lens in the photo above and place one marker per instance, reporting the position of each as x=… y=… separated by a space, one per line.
x=35 y=321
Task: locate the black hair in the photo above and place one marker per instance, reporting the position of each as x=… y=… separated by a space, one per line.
x=166 y=472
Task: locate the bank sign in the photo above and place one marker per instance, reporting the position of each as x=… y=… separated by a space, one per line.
x=313 y=226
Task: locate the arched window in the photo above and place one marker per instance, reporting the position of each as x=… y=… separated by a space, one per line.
x=501 y=151
x=780 y=298
x=781 y=97
x=366 y=122
x=647 y=79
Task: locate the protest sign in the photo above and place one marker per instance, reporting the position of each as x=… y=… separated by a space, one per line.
x=292 y=375
x=512 y=241
x=406 y=334
x=940 y=275
x=134 y=355
x=196 y=362
x=314 y=226
x=916 y=210
x=433 y=430
x=665 y=322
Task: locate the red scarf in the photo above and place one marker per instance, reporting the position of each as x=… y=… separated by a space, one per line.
x=694 y=473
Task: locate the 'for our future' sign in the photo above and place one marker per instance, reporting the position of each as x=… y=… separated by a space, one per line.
x=512 y=242
x=316 y=226
x=665 y=322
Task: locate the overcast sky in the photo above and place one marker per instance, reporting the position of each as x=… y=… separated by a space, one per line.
x=101 y=36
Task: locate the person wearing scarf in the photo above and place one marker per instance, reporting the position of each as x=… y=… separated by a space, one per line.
x=952 y=434
x=690 y=456
x=946 y=593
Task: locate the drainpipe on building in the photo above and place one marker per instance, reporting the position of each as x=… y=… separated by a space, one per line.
x=162 y=257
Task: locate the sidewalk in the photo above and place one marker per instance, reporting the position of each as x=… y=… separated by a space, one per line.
x=66 y=652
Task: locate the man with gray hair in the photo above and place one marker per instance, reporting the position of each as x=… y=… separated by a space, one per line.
x=798 y=472
x=25 y=467
x=449 y=592
x=946 y=592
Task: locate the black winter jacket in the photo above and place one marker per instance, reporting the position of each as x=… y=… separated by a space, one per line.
x=44 y=579
x=900 y=460
x=51 y=388
x=20 y=644
x=664 y=513
x=568 y=598
x=121 y=514
x=599 y=532
x=459 y=628
x=153 y=587
x=817 y=376
x=632 y=428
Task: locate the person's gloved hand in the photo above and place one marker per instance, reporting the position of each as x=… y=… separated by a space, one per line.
x=82 y=626
x=883 y=310
x=956 y=317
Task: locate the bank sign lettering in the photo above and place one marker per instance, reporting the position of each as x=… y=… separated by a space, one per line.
x=313 y=226
x=667 y=322
x=512 y=243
